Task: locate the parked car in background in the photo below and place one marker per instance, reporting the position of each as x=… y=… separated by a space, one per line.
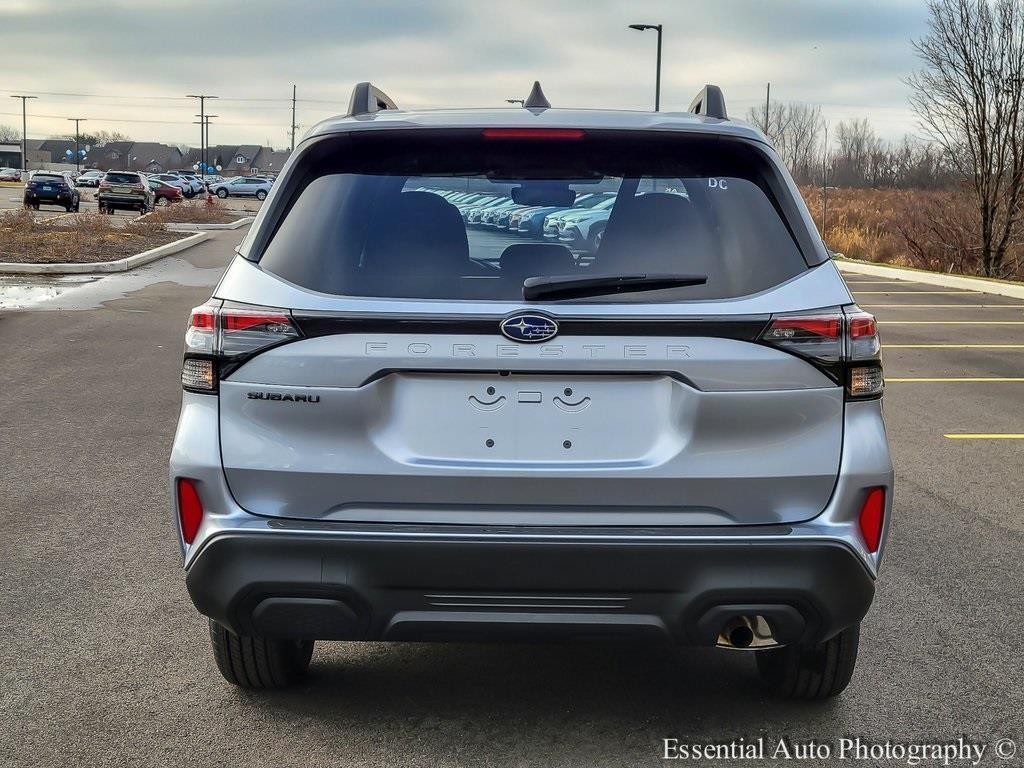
x=164 y=193
x=489 y=216
x=10 y=174
x=175 y=181
x=242 y=186
x=51 y=188
x=584 y=232
x=556 y=222
x=501 y=218
x=125 y=190
x=195 y=184
x=531 y=222
x=472 y=216
x=89 y=179
x=212 y=179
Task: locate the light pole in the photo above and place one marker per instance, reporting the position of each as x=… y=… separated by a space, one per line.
x=205 y=123
x=657 y=75
x=78 y=149
x=202 y=127
x=24 y=129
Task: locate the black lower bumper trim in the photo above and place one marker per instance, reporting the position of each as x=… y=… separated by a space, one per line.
x=348 y=587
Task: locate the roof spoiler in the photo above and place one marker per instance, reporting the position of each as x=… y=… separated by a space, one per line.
x=709 y=102
x=367 y=99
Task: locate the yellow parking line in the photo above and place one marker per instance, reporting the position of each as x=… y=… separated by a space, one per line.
x=953 y=346
x=917 y=293
x=954 y=379
x=882 y=282
x=943 y=306
x=982 y=436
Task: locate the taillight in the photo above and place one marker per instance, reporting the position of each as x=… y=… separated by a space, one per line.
x=872 y=516
x=842 y=344
x=221 y=337
x=190 y=509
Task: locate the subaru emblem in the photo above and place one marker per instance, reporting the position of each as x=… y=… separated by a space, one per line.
x=528 y=327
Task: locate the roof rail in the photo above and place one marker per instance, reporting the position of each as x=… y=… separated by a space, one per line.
x=367 y=99
x=709 y=102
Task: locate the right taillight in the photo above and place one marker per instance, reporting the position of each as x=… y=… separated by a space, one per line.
x=843 y=344
x=219 y=338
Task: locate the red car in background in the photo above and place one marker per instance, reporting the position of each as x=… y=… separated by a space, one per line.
x=164 y=194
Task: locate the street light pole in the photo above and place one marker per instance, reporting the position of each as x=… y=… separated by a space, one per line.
x=78 y=149
x=205 y=123
x=657 y=74
x=202 y=128
x=24 y=129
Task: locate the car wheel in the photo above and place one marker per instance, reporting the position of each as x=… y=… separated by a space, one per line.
x=250 y=661
x=817 y=672
x=222 y=193
x=78 y=205
x=594 y=241
x=261 y=195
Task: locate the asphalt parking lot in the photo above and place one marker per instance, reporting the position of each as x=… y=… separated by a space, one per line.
x=105 y=662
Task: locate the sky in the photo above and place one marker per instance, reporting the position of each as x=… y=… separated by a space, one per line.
x=127 y=65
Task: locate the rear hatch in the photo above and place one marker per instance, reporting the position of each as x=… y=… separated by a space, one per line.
x=400 y=372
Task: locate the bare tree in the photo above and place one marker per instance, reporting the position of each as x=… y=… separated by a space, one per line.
x=795 y=130
x=969 y=98
x=9 y=134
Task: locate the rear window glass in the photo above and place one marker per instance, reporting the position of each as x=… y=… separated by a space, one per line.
x=470 y=218
x=47 y=178
x=122 y=178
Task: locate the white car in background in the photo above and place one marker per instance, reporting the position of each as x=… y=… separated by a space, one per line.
x=89 y=179
x=243 y=186
x=174 y=180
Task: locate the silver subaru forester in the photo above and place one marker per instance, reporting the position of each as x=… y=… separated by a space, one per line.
x=399 y=426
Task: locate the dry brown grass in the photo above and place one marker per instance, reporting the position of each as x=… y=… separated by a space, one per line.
x=935 y=230
x=83 y=238
x=194 y=212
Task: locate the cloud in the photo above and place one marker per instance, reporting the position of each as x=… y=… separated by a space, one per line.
x=138 y=60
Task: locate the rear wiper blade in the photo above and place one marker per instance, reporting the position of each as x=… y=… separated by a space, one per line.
x=571 y=287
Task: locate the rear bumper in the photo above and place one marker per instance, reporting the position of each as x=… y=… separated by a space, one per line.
x=431 y=584
x=108 y=199
x=55 y=198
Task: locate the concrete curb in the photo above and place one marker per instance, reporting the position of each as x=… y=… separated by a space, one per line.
x=980 y=284
x=190 y=227
x=119 y=265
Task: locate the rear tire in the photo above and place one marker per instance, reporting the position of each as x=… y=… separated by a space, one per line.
x=261 y=195
x=814 y=673
x=222 y=193
x=249 y=661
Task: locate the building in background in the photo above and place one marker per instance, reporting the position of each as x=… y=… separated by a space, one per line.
x=239 y=160
x=148 y=156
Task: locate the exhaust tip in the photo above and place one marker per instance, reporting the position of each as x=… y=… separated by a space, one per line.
x=747 y=632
